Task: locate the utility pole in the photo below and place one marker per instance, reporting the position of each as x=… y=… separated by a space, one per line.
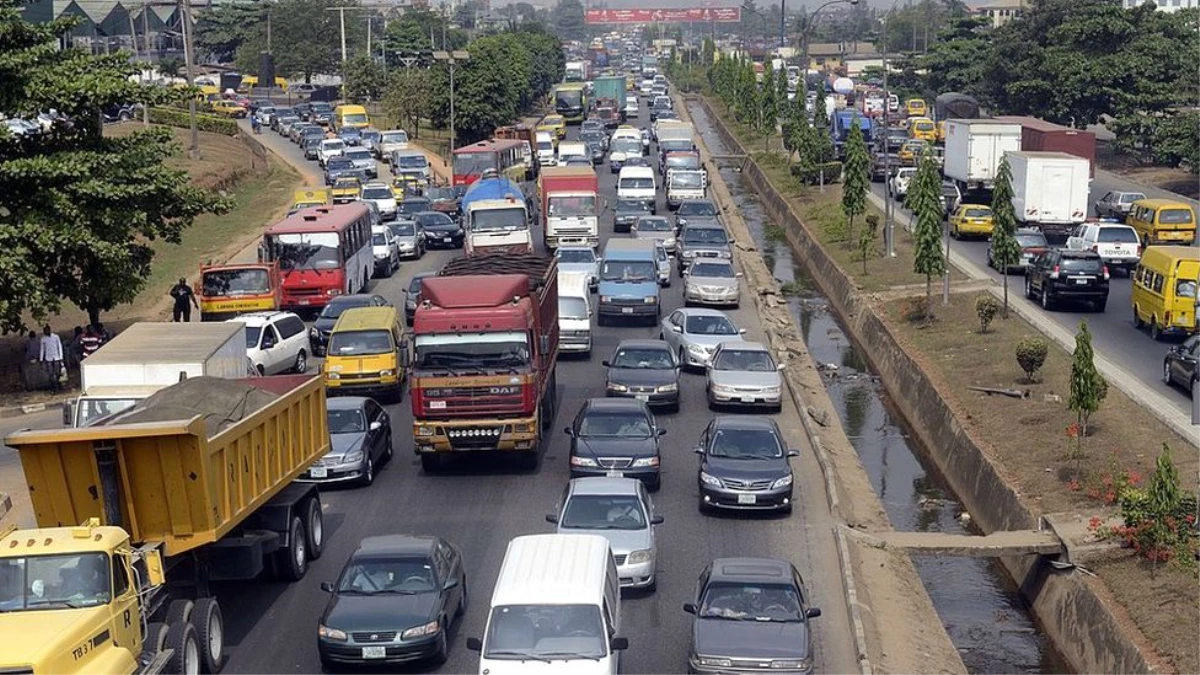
x=185 y=21
x=342 y=18
x=889 y=223
x=452 y=59
x=368 y=36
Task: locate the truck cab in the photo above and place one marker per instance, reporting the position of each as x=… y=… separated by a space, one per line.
x=629 y=282
x=685 y=184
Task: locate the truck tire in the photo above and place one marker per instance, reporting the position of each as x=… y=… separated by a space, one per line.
x=314 y=520
x=210 y=634
x=154 y=640
x=431 y=462
x=179 y=611
x=293 y=560
x=181 y=639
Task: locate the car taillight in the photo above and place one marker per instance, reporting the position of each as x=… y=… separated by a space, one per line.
x=1095 y=248
x=1167 y=318
x=1138 y=250
x=1106 y=277
x=1054 y=272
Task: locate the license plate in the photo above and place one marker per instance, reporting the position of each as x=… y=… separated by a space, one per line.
x=1081 y=281
x=642 y=397
x=613 y=473
x=747 y=399
x=374 y=652
x=447 y=239
x=302 y=302
x=627 y=310
x=317 y=472
x=746 y=499
x=437 y=405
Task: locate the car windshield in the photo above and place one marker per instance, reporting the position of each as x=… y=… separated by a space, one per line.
x=311 y=250
x=504 y=219
x=360 y=342
x=346 y=421
x=697 y=209
x=683 y=162
x=411 y=206
x=644 y=358
x=54 y=582
x=614 y=423
x=628 y=270
x=400 y=576
x=717 y=270
x=1035 y=240
x=377 y=193
x=687 y=180
x=573 y=206
x=572 y=308
x=654 y=225
x=633 y=205
x=334 y=309
x=1185 y=288
x=403 y=228
x=949 y=190
x=414 y=286
x=977 y=213
x=379 y=239
x=474 y=352
x=745 y=444
x=709 y=324
x=627 y=145
x=705 y=235
x=751 y=602
x=338 y=163
x=1117 y=235
x=434 y=220
x=603 y=512
x=751 y=360
x=576 y=255
x=371 y=135
x=539 y=632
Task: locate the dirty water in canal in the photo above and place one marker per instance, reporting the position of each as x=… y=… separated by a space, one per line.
x=985 y=616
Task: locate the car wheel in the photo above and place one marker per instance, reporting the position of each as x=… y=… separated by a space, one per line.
x=443 y=647
x=1166 y=373
x=1046 y=303
x=368 y=476
x=1137 y=319
x=387 y=448
x=1099 y=305
x=1028 y=288
x=301 y=362
x=954 y=231
x=1155 y=331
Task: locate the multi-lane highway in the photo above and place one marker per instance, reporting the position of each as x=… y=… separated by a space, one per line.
x=482 y=505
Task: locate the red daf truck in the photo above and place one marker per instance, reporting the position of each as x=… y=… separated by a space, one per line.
x=485 y=344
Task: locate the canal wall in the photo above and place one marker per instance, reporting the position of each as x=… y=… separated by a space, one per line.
x=1074 y=615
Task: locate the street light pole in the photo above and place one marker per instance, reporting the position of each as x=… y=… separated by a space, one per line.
x=889 y=226
x=185 y=20
x=452 y=59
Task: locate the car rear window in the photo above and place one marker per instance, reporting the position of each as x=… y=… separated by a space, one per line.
x=1089 y=265
x=1116 y=235
x=1175 y=216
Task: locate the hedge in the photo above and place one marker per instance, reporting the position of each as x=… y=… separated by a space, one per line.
x=811 y=174
x=179 y=118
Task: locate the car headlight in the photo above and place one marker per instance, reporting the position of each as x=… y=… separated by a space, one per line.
x=606 y=298
x=790 y=664
x=782 y=483
x=331 y=633
x=313 y=332
x=353 y=457
x=617 y=387
x=582 y=461
x=688 y=254
x=639 y=557
x=387 y=373
x=653 y=299
x=333 y=376
x=709 y=479
x=697 y=349
x=645 y=462
x=770 y=390
x=421 y=631
x=425 y=431
x=668 y=388
x=721 y=388
x=714 y=663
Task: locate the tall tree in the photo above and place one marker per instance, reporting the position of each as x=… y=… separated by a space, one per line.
x=1005 y=251
x=569 y=20
x=223 y=28
x=408 y=97
x=1087 y=384
x=927 y=236
x=364 y=79
x=767 y=112
x=80 y=210
x=855 y=178
x=305 y=38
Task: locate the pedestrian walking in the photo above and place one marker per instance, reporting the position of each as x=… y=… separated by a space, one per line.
x=51 y=356
x=185 y=300
x=29 y=365
x=90 y=342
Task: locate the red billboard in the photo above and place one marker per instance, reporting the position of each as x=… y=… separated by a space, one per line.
x=720 y=14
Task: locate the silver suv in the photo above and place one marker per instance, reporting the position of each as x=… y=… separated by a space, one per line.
x=704 y=239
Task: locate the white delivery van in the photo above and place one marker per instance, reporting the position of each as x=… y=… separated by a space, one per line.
x=574 y=313
x=544 y=141
x=636 y=182
x=556 y=608
x=573 y=150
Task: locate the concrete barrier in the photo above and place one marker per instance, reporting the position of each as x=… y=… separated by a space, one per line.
x=1072 y=612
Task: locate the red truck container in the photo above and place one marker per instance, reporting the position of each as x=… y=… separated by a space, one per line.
x=575 y=219
x=485 y=344
x=1042 y=136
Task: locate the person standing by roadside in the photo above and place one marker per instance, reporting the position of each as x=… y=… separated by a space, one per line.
x=102 y=333
x=90 y=341
x=51 y=356
x=75 y=348
x=33 y=353
x=185 y=299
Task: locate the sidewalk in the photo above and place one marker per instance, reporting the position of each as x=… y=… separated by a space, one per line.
x=1158 y=405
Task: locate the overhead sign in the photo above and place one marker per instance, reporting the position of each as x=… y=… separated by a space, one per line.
x=718 y=14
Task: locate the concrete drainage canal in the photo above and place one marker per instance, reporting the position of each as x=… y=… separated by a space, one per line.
x=984 y=614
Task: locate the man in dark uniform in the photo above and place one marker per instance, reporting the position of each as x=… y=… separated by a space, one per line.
x=184 y=301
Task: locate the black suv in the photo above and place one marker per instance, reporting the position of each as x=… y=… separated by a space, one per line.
x=1059 y=275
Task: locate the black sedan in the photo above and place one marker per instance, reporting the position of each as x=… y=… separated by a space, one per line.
x=753 y=612
x=318 y=335
x=1179 y=365
x=336 y=167
x=744 y=465
x=628 y=211
x=616 y=437
x=645 y=370
x=440 y=230
x=394 y=602
x=360 y=439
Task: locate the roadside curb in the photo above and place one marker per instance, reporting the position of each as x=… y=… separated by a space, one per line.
x=28 y=409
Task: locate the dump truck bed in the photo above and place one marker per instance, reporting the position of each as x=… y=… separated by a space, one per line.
x=183 y=475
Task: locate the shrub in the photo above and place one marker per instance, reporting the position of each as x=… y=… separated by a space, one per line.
x=179 y=118
x=914 y=309
x=986 y=308
x=811 y=173
x=1031 y=355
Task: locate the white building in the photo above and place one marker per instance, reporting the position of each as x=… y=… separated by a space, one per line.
x=1164 y=5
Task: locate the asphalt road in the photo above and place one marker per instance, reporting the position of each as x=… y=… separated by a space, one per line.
x=483 y=504
x=1113 y=332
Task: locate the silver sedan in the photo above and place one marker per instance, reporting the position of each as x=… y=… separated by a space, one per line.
x=711 y=282
x=695 y=333
x=744 y=374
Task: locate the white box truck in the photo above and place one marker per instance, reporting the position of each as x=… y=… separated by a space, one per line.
x=150 y=356
x=1050 y=191
x=974 y=149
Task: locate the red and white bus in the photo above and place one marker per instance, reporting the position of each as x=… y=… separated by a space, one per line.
x=322 y=252
x=505 y=157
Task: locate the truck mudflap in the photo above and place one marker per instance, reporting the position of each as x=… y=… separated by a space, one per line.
x=474 y=435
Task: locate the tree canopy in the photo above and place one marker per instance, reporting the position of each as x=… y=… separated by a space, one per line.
x=568 y=16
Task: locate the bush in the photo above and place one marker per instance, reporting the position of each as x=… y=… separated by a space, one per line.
x=986 y=308
x=915 y=308
x=1031 y=355
x=179 y=118
x=811 y=174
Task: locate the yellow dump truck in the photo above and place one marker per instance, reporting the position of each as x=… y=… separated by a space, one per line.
x=138 y=514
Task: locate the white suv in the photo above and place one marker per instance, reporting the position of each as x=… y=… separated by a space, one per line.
x=897 y=185
x=330 y=147
x=1117 y=244
x=386 y=250
x=276 y=342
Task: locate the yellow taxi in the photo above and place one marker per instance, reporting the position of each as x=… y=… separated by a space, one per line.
x=912 y=151
x=922 y=128
x=366 y=354
x=1162 y=221
x=555 y=124
x=346 y=189
x=971 y=220
x=915 y=107
x=941 y=131
x=228 y=109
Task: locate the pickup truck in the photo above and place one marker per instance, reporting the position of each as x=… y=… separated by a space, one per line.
x=1117 y=244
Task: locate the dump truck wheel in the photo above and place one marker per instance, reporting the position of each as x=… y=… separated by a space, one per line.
x=181 y=638
x=210 y=634
x=293 y=560
x=153 y=641
x=316 y=528
x=179 y=611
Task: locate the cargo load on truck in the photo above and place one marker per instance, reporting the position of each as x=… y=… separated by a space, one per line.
x=485 y=344
x=570 y=206
x=974 y=149
x=1050 y=191
x=1042 y=136
x=610 y=93
x=955 y=106
x=192 y=485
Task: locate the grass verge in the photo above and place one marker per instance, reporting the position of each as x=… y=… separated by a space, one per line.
x=1027 y=439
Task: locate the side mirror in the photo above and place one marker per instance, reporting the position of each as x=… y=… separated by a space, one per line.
x=690 y=607
x=450 y=583
x=619 y=643
x=698 y=450
x=474 y=644
x=741 y=331
x=812 y=612
x=552 y=518
x=793 y=453
x=376 y=426
x=656 y=520
x=326 y=586
x=606 y=364
x=569 y=431
x=662 y=432
x=780 y=366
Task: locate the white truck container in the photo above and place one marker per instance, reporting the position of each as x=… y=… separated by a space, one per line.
x=974 y=149
x=1050 y=191
x=674 y=131
x=150 y=356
